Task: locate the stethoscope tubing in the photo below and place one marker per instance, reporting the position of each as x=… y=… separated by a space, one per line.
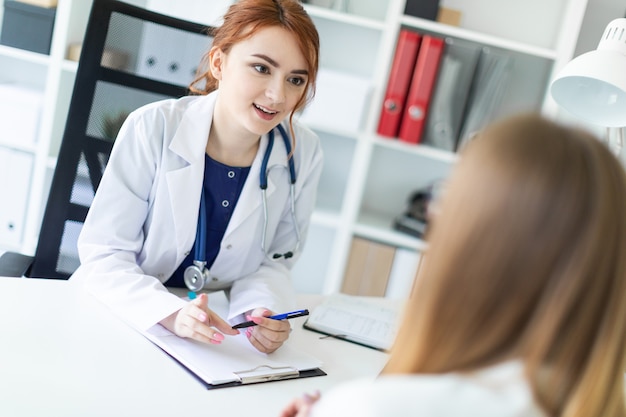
x=200 y=247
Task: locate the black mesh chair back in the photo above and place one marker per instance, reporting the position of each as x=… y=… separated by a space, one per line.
x=130 y=57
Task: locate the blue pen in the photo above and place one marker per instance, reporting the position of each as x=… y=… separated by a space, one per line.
x=284 y=316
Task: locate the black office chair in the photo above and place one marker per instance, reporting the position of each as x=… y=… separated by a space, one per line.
x=130 y=57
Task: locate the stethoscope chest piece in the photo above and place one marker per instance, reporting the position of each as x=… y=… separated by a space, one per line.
x=196 y=275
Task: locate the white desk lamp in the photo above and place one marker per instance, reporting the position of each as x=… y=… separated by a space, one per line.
x=592 y=86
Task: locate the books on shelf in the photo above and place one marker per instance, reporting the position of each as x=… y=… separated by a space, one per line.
x=40 y=3
x=367 y=271
x=363 y=320
x=448 y=103
x=425 y=9
x=420 y=91
x=379 y=270
x=488 y=87
x=402 y=275
x=398 y=83
x=454 y=89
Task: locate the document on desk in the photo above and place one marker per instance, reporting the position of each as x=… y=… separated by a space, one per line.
x=362 y=320
x=235 y=361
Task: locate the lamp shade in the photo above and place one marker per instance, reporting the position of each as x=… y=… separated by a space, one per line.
x=593 y=85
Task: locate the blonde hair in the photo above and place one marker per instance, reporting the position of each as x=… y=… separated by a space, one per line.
x=527 y=260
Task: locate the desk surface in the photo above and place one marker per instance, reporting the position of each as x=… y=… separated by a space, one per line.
x=62 y=353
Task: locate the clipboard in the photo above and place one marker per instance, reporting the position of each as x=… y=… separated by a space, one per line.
x=259 y=375
x=235 y=362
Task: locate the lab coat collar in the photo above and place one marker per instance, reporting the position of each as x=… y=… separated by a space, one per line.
x=190 y=139
x=189 y=142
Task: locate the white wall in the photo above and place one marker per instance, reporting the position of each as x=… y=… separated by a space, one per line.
x=599 y=13
x=208 y=12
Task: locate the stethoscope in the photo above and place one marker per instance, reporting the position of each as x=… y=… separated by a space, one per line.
x=197 y=274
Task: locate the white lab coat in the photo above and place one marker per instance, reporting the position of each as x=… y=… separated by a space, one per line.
x=143 y=219
x=497 y=391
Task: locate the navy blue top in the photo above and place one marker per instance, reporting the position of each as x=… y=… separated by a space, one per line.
x=222 y=188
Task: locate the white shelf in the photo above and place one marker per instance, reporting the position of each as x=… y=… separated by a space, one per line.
x=418 y=150
x=69 y=66
x=325 y=129
x=473 y=36
x=30 y=148
x=344 y=18
x=23 y=55
x=326 y=218
x=378 y=228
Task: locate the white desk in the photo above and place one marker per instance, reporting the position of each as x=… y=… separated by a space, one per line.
x=62 y=353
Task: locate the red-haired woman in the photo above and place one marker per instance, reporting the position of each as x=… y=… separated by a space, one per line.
x=181 y=200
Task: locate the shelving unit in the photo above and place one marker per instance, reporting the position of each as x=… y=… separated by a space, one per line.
x=44 y=74
x=53 y=76
x=367 y=178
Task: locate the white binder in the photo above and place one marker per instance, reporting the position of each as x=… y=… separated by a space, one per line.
x=170 y=55
x=17 y=166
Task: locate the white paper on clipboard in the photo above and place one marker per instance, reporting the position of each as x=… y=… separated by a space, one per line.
x=235 y=360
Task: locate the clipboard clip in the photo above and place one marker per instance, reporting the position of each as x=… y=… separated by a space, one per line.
x=266 y=373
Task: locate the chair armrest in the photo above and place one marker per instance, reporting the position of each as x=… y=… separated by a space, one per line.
x=13 y=264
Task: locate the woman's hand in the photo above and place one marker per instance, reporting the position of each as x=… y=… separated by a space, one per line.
x=301 y=407
x=268 y=335
x=196 y=321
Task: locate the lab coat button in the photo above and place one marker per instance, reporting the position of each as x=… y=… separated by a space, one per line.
x=229 y=247
x=214 y=278
x=187 y=253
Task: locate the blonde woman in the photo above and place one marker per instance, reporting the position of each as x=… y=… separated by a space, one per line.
x=520 y=306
